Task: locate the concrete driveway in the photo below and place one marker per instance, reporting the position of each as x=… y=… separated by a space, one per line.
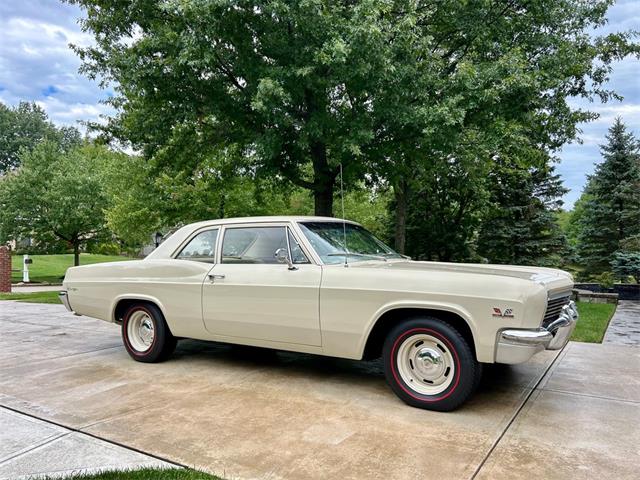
x=248 y=413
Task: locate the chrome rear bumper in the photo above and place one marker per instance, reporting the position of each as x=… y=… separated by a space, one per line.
x=517 y=346
x=64 y=298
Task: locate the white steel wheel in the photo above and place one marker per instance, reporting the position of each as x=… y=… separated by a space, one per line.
x=425 y=364
x=140 y=331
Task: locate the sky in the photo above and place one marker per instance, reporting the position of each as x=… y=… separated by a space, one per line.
x=36 y=64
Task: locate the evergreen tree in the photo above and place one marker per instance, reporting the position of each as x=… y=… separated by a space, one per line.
x=612 y=213
x=521 y=227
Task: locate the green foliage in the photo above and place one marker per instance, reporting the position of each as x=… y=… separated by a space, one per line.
x=626 y=264
x=573 y=228
x=630 y=244
x=55 y=196
x=134 y=207
x=382 y=87
x=369 y=208
x=605 y=279
x=521 y=226
x=25 y=126
x=610 y=208
x=446 y=201
x=104 y=248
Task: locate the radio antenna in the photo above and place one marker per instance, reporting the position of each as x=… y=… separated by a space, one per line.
x=344 y=222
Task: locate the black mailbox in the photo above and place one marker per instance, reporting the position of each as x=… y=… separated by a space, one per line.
x=28 y=261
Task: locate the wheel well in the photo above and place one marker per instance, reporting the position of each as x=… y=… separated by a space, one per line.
x=375 y=341
x=124 y=304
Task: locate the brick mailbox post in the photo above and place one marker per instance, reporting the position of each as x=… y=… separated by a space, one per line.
x=5 y=269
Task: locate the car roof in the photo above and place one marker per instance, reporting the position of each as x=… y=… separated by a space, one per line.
x=266 y=219
x=166 y=248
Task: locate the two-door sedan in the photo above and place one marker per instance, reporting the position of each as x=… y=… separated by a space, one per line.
x=329 y=287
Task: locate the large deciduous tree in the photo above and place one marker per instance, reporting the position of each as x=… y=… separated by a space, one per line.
x=610 y=218
x=55 y=196
x=289 y=82
x=386 y=88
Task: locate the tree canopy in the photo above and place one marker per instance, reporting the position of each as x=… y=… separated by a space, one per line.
x=25 y=126
x=385 y=88
x=55 y=196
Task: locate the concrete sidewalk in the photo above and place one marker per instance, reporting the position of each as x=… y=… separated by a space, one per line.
x=35 y=288
x=248 y=413
x=31 y=447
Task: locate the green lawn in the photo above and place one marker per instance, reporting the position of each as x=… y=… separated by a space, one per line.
x=146 y=474
x=37 y=297
x=51 y=268
x=593 y=321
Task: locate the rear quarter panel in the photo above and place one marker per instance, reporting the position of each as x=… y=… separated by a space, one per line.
x=174 y=285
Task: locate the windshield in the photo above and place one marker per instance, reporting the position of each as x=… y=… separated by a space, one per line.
x=327 y=238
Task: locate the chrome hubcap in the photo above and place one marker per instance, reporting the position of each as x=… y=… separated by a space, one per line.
x=425 y=364
x=140 y=331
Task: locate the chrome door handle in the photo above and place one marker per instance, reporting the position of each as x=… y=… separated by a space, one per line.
x=214 y=276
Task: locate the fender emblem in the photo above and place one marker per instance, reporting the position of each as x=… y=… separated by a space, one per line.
x=508 y=312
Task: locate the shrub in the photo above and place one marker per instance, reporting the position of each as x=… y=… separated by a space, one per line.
x=106 y=248
x=626 y=264
x=605 y=280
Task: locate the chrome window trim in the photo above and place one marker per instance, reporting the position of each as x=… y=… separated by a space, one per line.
x=286 y=225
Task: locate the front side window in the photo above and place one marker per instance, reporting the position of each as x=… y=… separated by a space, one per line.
x=201 y=248
x=328 y=240
x=297 y=255
x=253 y=244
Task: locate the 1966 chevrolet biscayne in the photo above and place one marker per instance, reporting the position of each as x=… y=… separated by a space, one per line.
x=324 y=286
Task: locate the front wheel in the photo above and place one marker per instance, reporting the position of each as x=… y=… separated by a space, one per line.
x=429 y=364
x=145 y=334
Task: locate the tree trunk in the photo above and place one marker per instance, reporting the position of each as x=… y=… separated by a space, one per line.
x=76 y=254
x=400 y=192
x=221 y=206
x=323 y=180
x=323 y=200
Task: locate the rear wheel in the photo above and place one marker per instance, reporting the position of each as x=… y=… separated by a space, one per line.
x=145 y=334
x=429 y=364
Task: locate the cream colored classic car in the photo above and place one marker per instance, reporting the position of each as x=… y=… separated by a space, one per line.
x=324 y=286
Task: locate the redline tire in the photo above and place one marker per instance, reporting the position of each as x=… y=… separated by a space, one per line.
x=428 y=364
x=145 y=334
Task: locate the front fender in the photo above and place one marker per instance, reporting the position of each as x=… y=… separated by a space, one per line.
x=420 y=305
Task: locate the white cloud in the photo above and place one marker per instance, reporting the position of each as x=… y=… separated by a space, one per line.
x=579 y=160
x=36 y=63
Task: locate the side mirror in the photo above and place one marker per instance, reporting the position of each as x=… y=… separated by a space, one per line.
x=282 y=255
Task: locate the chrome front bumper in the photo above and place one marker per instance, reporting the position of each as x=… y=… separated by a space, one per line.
x=64 y=298
x=517 y=346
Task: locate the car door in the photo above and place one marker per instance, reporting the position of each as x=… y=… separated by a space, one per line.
x=249 y=294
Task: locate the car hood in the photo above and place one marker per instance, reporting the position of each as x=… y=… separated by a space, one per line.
x=552 y=278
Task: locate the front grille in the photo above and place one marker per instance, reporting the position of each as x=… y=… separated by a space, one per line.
x=554 y=307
